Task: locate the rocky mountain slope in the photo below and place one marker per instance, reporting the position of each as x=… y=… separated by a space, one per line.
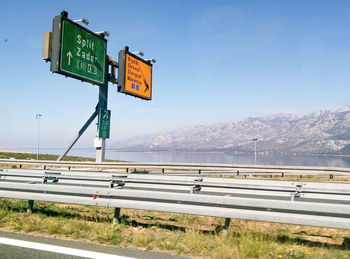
x=326 y=131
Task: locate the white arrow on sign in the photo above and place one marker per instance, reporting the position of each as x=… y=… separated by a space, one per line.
x=105 y=115
x=69 y=55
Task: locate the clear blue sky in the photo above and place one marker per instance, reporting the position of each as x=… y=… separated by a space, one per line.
x=217 y=61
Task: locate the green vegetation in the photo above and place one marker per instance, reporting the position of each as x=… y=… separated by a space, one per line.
x=195 y=236
x=28 y=156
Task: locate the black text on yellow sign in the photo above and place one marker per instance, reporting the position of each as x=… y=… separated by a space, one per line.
x=138 y=77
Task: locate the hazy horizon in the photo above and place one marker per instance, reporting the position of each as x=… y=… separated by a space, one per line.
x=217 y=61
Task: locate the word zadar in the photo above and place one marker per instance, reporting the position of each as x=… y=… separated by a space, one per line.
x=85 y=45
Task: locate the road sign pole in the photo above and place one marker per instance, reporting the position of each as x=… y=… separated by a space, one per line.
x=102 y=104
x=80 y=53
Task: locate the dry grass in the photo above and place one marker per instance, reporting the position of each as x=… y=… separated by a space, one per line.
x=195 y=236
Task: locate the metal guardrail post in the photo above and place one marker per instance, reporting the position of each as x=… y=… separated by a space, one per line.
x=116 y=217
x=227 y=224
x=30 y=206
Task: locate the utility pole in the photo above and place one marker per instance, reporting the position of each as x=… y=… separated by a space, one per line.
x=255 y=140
x=38 y=117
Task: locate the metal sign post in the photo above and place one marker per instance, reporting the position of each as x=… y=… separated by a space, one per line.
x=77 y=52
x=100 y=143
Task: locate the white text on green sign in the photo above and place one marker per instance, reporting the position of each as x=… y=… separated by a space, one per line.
x=104 y=124
x=83 y=55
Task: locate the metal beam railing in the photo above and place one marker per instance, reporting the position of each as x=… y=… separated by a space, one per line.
x=180 y=166
x=200 y=196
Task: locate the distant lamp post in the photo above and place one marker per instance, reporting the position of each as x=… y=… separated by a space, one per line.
x=255 y=140
x=38 y=117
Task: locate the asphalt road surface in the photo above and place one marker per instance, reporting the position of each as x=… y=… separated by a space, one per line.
x=16 y=245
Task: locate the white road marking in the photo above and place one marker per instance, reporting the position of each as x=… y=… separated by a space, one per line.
x=58 y=249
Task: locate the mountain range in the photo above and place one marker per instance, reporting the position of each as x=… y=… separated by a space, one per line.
x=321 y=132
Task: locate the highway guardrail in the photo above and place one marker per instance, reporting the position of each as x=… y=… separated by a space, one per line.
x=199 y=168
x=302 y=203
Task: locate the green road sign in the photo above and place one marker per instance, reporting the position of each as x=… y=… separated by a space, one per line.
x=78 y=52
x=104 y=122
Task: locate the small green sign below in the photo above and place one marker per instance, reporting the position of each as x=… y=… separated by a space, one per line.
x=104 y=123
x=83 y=55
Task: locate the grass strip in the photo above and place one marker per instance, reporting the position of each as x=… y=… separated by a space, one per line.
x=194 y=236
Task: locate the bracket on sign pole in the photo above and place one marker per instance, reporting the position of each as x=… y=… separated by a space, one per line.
x=114 y=65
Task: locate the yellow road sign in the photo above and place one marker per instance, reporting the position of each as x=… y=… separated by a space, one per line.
x=135 y=76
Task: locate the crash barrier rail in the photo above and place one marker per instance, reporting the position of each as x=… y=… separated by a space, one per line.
x=175 y=168
x=302 y=203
